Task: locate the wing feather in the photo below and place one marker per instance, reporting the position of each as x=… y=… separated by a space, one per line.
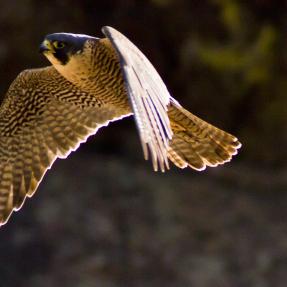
x=149 y=98
x=33 y=136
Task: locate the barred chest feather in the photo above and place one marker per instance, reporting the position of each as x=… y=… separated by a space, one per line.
x=96 y=70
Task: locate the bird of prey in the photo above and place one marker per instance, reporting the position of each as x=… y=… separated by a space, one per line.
x=49 y=112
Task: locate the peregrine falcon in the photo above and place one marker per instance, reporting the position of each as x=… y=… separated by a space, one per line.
x=49 y=112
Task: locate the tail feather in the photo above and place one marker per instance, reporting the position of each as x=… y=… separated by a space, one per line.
x=176 y=159
x=196 y=143
x=187 y=153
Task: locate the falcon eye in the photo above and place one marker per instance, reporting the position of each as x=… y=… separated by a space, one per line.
x=58 y=44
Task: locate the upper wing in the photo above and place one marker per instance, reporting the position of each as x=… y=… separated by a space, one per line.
x=42 y=117
x=148 y=95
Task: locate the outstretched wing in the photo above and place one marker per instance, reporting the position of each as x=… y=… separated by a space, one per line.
x=42 y=117
x=148 y=95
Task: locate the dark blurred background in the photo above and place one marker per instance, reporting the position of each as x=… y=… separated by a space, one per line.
x=102 y=217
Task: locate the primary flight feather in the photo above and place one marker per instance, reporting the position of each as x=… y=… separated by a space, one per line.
x=49 y=112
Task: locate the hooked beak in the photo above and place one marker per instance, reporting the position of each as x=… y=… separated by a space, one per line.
x=46 y=46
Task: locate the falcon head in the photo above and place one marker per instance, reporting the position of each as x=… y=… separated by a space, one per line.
x=59 y=48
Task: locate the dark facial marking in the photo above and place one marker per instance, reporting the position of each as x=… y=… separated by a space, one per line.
x=68 y=45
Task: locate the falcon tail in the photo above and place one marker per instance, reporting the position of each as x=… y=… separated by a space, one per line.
x=196 y=143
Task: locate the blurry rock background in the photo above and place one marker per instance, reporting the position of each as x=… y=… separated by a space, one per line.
x=102 y=217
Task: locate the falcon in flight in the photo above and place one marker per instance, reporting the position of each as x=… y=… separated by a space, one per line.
x=49 y=112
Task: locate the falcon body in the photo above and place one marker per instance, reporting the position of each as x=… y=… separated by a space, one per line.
x=49 y=112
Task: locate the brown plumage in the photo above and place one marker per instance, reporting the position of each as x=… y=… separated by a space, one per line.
x=48 y=112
